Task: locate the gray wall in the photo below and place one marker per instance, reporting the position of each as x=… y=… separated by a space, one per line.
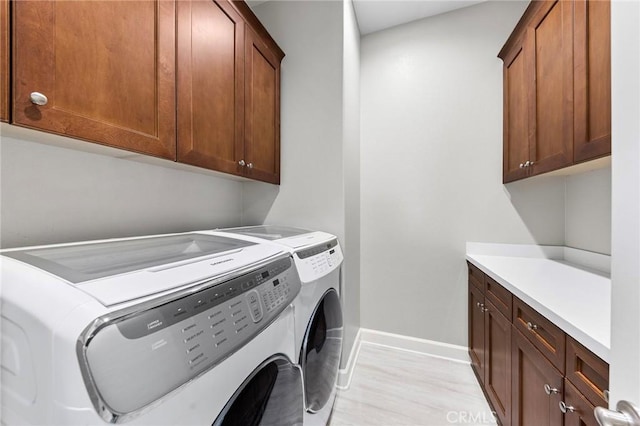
x=351 y=136
x=588 y=211
x=51 y=194
x=431 y=169
x=320 y=182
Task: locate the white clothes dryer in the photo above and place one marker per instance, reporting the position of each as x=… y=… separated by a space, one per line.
x=318 y=311
x=187 y=329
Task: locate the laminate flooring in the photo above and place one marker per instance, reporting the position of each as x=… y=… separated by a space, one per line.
x=392 y=387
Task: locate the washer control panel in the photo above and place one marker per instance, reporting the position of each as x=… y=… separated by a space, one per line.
x=318 y=261
x=172 y=343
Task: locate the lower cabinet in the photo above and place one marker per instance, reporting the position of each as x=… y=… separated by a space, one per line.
x=497 y=377
x=536 y=384
x=531 y=372
x=578 y=410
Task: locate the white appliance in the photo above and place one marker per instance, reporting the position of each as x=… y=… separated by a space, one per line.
x=175 y=329
x=318 y=313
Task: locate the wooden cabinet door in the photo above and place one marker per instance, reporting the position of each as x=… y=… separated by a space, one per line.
x=4 y=60
x=210 y=85
x=549 y=44
x=515 y=114
x=531 y=406
x=580 y=411
x=592 y=79
x=262 y=110
x=476 y=331
x=497 y=365
x=107 y=68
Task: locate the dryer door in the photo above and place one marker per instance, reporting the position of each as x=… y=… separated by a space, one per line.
x=320 y=357
x=270 y=396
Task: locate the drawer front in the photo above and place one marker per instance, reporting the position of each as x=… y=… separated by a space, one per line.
x=476 y=276
x=587 y=372
x=499 y=296
x=545 y=336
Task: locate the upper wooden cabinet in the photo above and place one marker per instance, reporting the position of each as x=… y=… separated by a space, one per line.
x=4 y=60
x=592 y=79
x=210 y=85
x=102 y=71
x=193 y=81
x=228 y=90
x=557 y=87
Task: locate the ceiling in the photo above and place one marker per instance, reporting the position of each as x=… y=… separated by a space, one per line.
x=376 y=15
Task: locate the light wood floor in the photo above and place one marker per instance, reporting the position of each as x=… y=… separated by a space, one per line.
x=396 y=387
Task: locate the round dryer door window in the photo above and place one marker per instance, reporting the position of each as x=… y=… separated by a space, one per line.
x=270 y=396
x=321 y=350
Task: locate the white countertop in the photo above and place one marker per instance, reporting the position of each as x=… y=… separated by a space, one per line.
x=575 y=297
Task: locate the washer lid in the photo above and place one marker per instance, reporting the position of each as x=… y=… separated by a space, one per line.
x=290 y=237
x=118 y=271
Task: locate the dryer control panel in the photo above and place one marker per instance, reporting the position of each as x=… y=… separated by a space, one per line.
x=318 y=261
x=172 y=342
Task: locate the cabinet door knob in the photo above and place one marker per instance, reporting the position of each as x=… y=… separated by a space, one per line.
x=521 y=165
x=531 y=326
x=566 y=408
x=38 y=98
x=483 y=309
x=549 y=390
x=530 y=163
x=250 y=165
x=241 y=163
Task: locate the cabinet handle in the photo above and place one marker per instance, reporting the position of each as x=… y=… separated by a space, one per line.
x=566 y=408
x=250 y=165
x=527 y=164
x=531 y=326
x=38 y=98
x=549 y=390
x=241 y=163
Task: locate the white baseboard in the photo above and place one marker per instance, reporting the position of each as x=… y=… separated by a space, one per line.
x=367 y=336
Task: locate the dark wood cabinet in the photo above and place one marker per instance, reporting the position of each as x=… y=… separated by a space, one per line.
x=531 y=405
x=194 y=81
x=497 y=377
x=262 y=106
x=4 y=60
x=476 y=330
x=556 y=87
x=525 y=363
x=228 y=90
x=490 y=340
x=107 y=70
x=579 y=411
x=592 y=79
x=549 y=43
x=210 y=85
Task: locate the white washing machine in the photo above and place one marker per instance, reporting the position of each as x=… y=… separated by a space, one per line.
x=185 y=329
x=318 y=313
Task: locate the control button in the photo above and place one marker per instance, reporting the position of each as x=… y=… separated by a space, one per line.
x=179 y=312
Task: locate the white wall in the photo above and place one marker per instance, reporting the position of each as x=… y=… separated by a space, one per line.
x=588 y=211
x=351 y=137
x=50 y=194
x=431 y=169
